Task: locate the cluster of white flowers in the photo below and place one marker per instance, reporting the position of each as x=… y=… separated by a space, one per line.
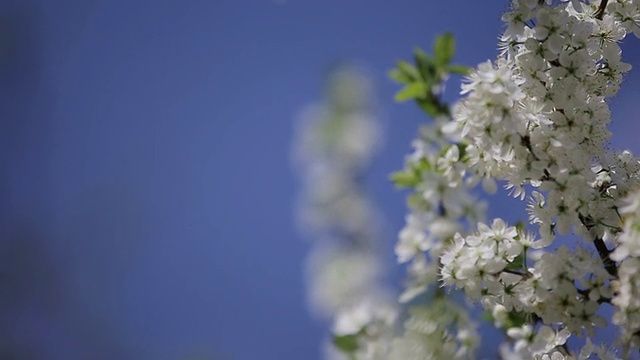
x=537 y=116
x=441 y=204
x=535 y=119
x=438 y=331
x=333 y=146
x=627 y=286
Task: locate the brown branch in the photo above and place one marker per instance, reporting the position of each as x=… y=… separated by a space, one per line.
x=602 y=299
x=599 y=14
x=602 y=249
x=604 y=253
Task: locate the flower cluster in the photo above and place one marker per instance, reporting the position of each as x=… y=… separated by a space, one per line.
x=441 y=202
x=627 y=286
x=537 y=116
x=439 y=331
x=334 y=144
x=536 y=119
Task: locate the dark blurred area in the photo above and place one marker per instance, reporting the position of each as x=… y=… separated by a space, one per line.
x=30 y=282
x=38 y=318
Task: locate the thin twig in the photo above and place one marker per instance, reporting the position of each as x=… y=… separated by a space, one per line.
x=604 y=253
x=600 y=12
x=602 y=249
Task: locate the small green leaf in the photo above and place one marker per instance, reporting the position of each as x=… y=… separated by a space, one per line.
x=458 y=69
x=416 y=201
x=487 y=316
x=421 y=165
x=409 y=70
x=405 y=179
x=517 y=264
x=422 y=57
x=399 y=76
x=426 y=66
x=462 y=150
x=517 y=319
x=444 y=48
x=431 y=108
x=414 y=90
x=346 y=343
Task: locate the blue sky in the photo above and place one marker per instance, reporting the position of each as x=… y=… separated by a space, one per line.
x=144 y=150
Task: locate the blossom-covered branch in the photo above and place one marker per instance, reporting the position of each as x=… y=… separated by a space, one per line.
x=536 y=119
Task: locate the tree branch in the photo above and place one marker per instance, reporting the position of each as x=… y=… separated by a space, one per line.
x=602 y=249
x=609 y=264
x=599 y=14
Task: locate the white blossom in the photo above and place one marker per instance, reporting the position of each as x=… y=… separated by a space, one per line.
x=535 y=120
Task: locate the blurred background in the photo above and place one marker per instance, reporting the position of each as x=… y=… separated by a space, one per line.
x=146 y=187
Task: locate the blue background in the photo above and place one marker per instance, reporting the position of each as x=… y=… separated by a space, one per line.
x=146 y=195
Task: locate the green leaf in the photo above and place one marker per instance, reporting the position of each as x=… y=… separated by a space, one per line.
x=487 y=316
x=462 y=150
x=426 y=66
x=399 y=76
x=517 y=264
x=458 y=69
x=346 y=343
x=444 y=48
x=431 y=108
x=416 y=201
x=421 y=165
x=409 y=70
x=412 y=91
x=421 y=57
x=517 y=319
x=405 y=179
